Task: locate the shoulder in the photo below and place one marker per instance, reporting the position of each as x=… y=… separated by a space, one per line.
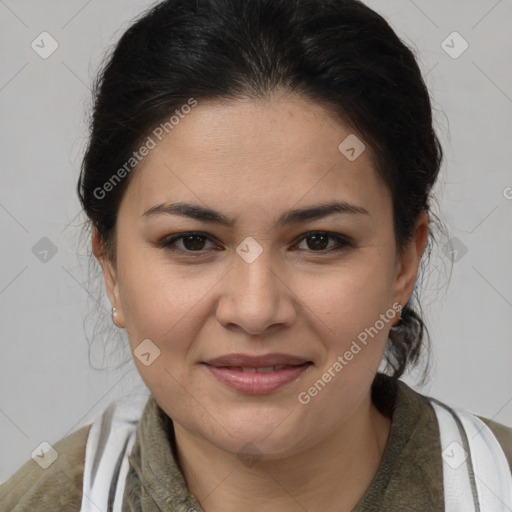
x=502 y=433
x=504 y=436
x=58 y=487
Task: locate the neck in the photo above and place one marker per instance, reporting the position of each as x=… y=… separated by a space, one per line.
x=333 y=475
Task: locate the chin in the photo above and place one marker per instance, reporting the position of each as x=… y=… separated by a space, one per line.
x=247 y=445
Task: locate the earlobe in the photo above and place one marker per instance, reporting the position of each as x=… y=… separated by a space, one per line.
x=110 y=278
x=409 y=262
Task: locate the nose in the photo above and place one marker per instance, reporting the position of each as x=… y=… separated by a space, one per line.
x=255 y=296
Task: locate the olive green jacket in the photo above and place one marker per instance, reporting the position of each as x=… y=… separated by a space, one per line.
x=409 y=477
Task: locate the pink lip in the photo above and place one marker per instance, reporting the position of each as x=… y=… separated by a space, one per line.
x=228 y=370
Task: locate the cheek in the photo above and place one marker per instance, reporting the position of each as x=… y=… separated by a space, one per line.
x=161 y=300
x=352 y=320
x=349 y=297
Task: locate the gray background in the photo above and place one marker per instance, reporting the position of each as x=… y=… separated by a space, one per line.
x=48 y=308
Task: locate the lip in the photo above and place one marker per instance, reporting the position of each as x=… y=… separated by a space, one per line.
x=249 y=361
x=228 y=370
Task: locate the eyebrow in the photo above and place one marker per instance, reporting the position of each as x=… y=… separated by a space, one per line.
x=287 y=218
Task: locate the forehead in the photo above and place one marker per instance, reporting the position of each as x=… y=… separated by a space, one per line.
x=257 y=153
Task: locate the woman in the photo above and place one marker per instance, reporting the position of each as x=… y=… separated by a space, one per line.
x=258 y=182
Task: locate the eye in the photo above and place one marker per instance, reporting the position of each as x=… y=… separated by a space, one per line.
x=318 y=241
x=193 y=243
x=190 y=243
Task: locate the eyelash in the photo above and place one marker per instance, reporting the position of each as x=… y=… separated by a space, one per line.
x=169 y=242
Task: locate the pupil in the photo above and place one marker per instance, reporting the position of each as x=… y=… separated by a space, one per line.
x=193 y=242
x=317 y=242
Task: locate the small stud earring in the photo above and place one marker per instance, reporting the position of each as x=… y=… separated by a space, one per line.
x=114 y=313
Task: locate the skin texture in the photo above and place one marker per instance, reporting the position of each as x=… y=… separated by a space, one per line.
x=251 y=160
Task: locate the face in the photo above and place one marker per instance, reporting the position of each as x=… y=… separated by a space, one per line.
x=269 y=269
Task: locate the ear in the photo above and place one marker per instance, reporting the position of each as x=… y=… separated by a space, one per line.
x=408 y=262
x=109 y=274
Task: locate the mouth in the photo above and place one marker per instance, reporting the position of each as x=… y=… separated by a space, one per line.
x=255 y=374
x=262 y=369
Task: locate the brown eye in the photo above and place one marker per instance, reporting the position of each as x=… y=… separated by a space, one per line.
x=193 y=242
x=190 y=243
x=318 y=241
